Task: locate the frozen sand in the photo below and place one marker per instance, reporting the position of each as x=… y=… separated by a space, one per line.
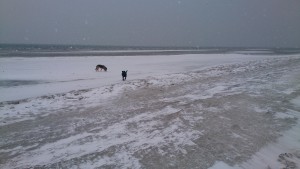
x=187 y=117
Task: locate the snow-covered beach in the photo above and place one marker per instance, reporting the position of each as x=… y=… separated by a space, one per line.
x=176 y=111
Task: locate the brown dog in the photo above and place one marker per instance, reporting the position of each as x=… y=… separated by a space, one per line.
x=101 y=67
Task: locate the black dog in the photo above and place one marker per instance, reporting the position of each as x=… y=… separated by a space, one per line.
x=124 y=74
x=101 y=67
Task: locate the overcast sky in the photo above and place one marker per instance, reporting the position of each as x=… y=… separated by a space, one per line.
x=247 y=23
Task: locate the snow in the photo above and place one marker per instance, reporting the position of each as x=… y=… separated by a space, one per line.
x=185 y=111
x=286 y=147
x=63 y=74
x=296 y=101
x=222 y=165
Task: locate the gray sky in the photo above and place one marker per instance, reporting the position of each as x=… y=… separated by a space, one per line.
x=247 y=23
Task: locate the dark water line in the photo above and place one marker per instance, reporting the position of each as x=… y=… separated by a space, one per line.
x=15 y=50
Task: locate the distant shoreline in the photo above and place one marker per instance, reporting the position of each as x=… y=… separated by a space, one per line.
x=20 y=50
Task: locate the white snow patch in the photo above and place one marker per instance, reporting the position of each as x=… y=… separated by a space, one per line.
x=63 y=74
x=222 y=165
x=285 y=115
x=296 y=101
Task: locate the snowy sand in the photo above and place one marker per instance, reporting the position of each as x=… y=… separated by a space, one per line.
x=184 y=111
x=63 y=74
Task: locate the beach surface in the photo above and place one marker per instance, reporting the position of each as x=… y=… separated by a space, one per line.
x=176 y=111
